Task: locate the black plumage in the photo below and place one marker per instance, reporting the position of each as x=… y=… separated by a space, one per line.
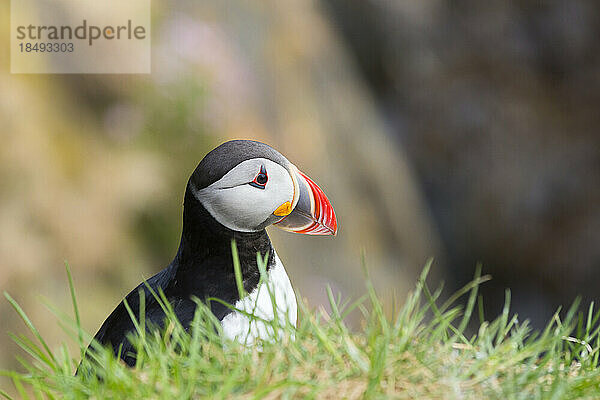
x=203 y=265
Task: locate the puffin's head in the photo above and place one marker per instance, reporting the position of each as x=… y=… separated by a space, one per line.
x=247 y=185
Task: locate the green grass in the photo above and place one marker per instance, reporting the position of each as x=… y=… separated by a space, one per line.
x=423 y=351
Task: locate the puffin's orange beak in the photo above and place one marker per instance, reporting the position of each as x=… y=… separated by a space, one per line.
x=313 y=213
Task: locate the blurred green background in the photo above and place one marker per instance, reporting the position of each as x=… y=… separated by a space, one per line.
x=463 y=130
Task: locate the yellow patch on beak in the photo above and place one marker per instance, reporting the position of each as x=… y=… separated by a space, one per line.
x=283 y=209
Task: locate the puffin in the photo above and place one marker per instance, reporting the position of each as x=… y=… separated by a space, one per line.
x=238 y=189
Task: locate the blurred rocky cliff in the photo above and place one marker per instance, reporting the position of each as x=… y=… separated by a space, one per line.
x=497 y=105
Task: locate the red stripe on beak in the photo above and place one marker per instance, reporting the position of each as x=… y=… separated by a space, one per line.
x=323 y=214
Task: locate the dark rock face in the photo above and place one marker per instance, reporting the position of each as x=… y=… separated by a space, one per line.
x=498 y=106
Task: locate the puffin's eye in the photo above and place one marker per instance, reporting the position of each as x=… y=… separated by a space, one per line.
x=260 y=180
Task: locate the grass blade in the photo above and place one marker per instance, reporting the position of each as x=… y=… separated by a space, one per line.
x=32 y=328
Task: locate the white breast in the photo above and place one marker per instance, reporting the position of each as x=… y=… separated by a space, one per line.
x=245 y=329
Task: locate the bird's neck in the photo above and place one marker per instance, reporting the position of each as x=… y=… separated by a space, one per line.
x=204 y=238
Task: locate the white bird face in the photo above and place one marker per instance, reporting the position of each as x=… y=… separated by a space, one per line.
x=246 y=186
x=253 y=194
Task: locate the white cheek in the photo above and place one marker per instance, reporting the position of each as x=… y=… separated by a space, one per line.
x=244 y=207
x=239 y=208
